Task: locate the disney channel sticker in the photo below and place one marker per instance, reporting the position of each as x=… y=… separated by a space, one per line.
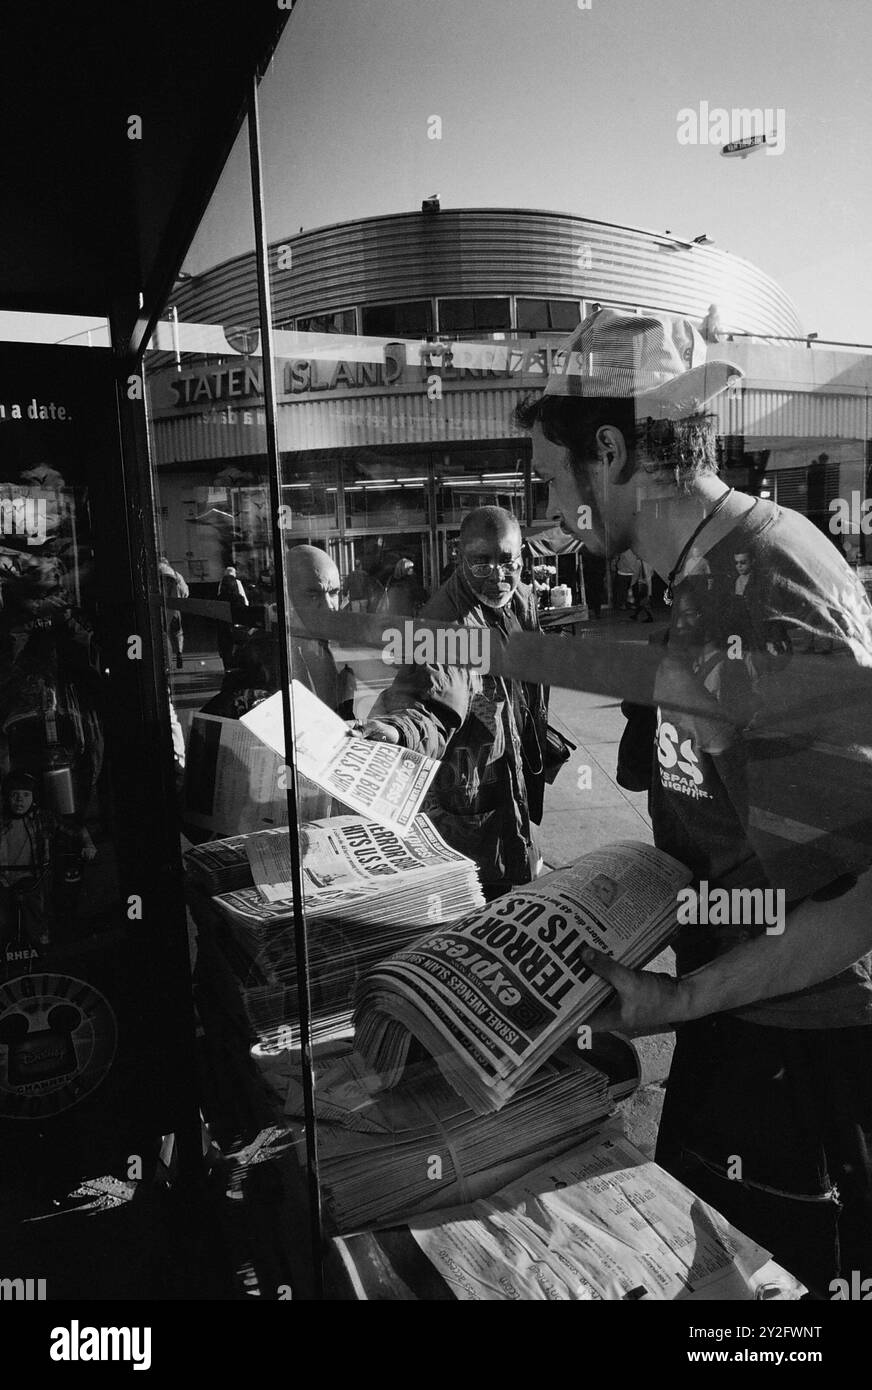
x=57 y=1042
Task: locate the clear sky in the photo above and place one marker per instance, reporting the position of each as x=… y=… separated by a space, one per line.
x=547 y=105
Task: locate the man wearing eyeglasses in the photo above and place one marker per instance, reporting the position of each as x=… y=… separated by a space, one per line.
x=488 y=732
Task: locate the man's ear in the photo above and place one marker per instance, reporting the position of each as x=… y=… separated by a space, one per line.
x=612 y=451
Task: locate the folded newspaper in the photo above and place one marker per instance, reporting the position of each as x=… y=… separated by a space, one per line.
x=379 y=780
x=384 y=1155
x=493 y=995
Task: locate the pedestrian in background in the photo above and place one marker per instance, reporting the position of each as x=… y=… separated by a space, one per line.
x=231 y=590
x=173 y=586
x=624 y=569
x=403 y=594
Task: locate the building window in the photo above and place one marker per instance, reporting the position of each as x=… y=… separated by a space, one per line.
x=333 y=321
x=548 y=315
x=470 y=316
x=412 y=319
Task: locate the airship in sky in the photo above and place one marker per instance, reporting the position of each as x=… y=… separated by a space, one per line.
x=742 y=148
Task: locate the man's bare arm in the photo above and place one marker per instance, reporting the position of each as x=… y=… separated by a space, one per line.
x=820 y=939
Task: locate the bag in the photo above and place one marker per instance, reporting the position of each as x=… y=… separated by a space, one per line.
x=636 y=749
x=558 y=750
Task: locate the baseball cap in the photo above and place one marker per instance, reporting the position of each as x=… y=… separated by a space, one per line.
x=659 y=360
x=21 y=782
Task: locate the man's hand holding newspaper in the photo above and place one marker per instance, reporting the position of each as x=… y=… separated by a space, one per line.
x=493 y=995
x=645 y=1001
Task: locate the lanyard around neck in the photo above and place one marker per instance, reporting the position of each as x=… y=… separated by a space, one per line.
x=709 y=516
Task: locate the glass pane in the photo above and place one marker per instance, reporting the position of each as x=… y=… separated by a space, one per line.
x=85 y=984
x=339 y=321
x=468 y=315
x=430 y=534
x=564 y=315
x=533 y=314
x=205 y=392
x=414 y=319
x=58 y=841
x=538 y=316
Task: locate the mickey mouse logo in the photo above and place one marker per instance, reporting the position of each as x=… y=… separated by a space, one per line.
x=41 y=1054
x=57 y=1042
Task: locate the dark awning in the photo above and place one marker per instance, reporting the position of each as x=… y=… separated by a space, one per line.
x=91 y=218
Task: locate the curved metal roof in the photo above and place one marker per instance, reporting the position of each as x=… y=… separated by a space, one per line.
x=489 y=252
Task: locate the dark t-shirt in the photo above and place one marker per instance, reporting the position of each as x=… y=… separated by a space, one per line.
x=763 y=752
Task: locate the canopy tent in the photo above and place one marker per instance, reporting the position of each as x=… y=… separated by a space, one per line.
x=552 y=541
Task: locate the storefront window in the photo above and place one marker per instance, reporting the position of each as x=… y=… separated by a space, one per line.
x=62 y=786
x=472 y=478
x=369 y=894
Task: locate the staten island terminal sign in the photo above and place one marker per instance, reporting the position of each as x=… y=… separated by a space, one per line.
x=350 y=366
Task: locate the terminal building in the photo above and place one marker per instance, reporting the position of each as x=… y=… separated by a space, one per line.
x=402 y=345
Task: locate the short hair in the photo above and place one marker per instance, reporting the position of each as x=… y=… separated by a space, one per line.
x=681 y=449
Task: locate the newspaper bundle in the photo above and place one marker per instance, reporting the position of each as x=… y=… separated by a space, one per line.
x=379 y=780
x=352 y=869
x=493 y=995
x=384 y=1155
x=366 y=894
x=599 y=1222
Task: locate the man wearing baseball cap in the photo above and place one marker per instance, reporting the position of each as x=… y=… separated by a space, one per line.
x=759 y=768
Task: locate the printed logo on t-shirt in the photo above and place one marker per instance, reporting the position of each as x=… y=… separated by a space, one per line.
x=679 y=766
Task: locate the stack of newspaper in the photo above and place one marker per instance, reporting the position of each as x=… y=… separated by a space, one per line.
x=598 y=1222
x=353 y=869
x=366 y=892
x=492 y=996
x=384 y=1155
x=221 y=866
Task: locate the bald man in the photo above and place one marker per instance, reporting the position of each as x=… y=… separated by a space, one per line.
x=313 y=589
x=489 y=733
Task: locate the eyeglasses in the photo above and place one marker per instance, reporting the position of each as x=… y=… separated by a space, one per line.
x=484 y=571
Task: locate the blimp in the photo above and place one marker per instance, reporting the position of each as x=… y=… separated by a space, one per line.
x=740 y=149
